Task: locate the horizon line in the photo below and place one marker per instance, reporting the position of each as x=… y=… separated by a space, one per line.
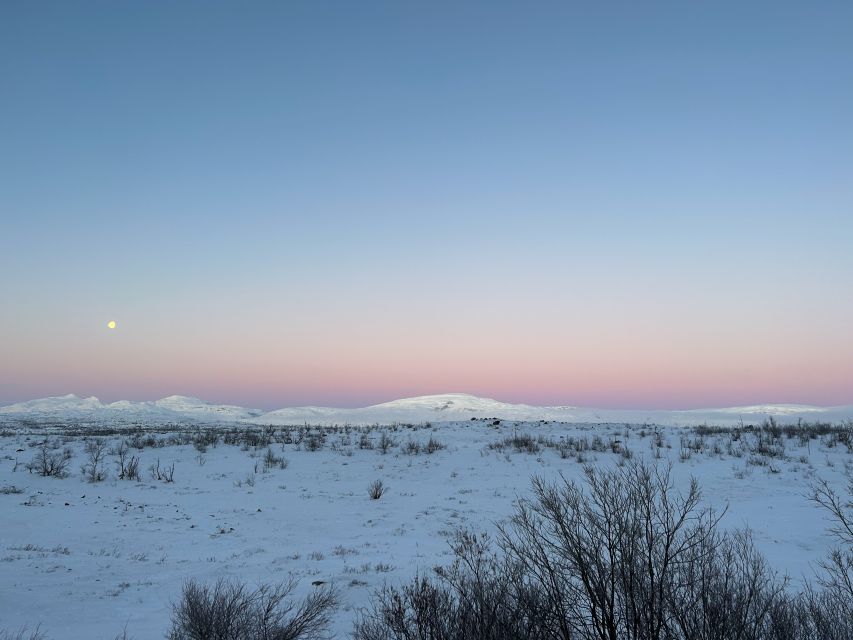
x=7 y=403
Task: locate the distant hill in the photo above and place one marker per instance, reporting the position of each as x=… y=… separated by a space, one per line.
x=434 y=408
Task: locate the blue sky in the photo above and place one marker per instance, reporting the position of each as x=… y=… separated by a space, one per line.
x=283 y=203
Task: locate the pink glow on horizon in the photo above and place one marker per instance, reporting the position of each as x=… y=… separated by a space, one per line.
x=661 y=385
x=662 y=359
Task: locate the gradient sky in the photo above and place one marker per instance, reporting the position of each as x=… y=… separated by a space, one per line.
x=608 y=204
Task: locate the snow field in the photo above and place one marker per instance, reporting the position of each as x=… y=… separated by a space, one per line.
x=87 y=559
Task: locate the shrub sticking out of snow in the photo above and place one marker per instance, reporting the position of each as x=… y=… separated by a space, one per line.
x=231 y=611
x=376 y=489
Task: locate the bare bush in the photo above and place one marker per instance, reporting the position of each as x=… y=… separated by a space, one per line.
x=93 y=470
x=433 y=445
x=271 y=460
x=47 y=462
x=840 y=509
x=376 y=489
x=385 y=443
x=315 y=441
x=622 y=556
x=606 y=553
x=837 y=580
x=128 y=465
x=521 y=442
x=123 y=635
x=131 y=471
x=166 y=474
x=230 y=611
x=480 y=595
x=412 y=448
x=724 y=588
x=23 y=633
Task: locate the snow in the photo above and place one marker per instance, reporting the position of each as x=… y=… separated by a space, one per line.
x=59 y=404
x=774 y=409
x=170 y=409
x=84 y=560
x=460 y=406
x=193 y=406
x=432 y=408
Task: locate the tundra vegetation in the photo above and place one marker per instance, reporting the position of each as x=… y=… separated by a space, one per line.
x=601 y=536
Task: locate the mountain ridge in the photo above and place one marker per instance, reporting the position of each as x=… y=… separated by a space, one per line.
x=445 y=407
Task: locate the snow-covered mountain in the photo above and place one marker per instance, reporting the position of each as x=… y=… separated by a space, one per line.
x=774 y=409
x=54 y=405
x=171 y=409
x=449 y=407
x=435 y=408
x=460 y=406
x=193 y=406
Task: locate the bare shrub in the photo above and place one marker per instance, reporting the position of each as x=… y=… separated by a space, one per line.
x=521 y=442
x=23 y=633
x=46 y=462
x=412 y=448
x=93 y=470
x=138 y=441
x=607 y=552
x=230 y=611
x=837 y=580
x=128 y=465
x=271 y=460
x=314 y=441
x=724 y=588
x=165 y=474
x=123 y=635
x=823 y=614
x=131 y=472
x=480 y=595
x=376 y=489
x=622 y=556
x=433 y=445
x=385 y=443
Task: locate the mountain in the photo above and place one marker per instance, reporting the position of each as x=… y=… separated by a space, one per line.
x=460 y=406
x=446 y=407
x=171 y=409
x=199 y=408
x=57 y=405
x=774 y=409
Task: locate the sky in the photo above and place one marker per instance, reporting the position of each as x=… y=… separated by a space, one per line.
x=621 y=204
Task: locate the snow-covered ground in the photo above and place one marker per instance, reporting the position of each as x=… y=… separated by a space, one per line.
x=85 y=560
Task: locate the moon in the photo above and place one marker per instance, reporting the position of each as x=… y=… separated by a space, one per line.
x=111 y=324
